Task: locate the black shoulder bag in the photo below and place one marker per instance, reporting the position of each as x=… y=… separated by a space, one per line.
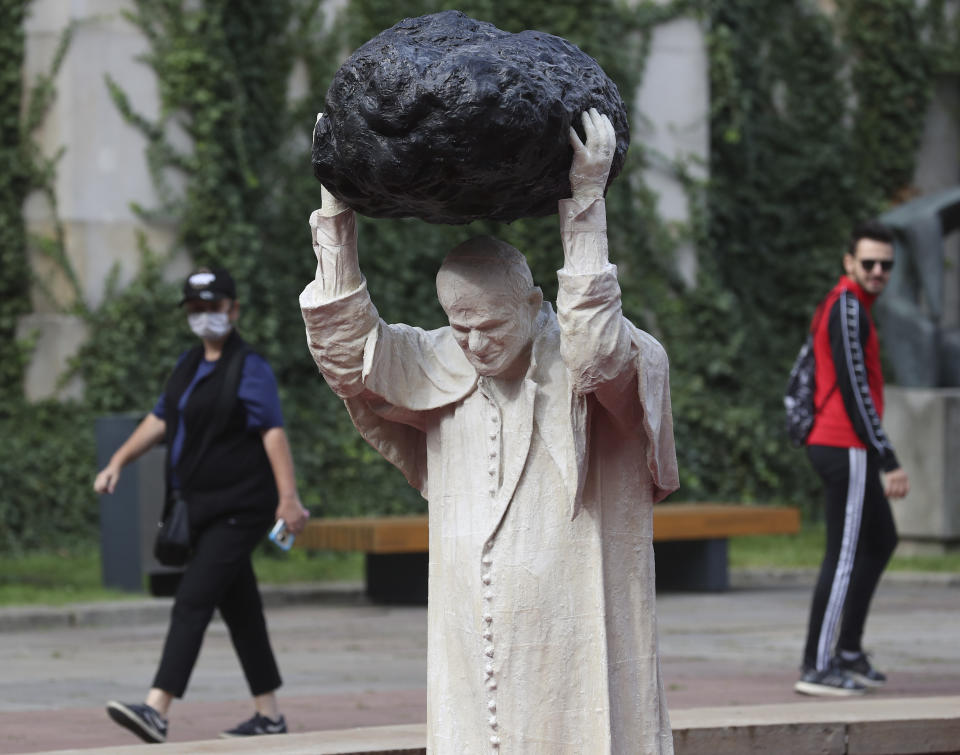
x=798 y=399
x=173 y=544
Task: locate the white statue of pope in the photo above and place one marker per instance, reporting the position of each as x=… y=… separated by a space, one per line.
x=541 y=441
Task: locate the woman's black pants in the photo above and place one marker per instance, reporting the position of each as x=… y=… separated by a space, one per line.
x=861 y=537
x=220 y=574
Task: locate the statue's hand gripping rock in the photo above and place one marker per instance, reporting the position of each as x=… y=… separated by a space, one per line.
x=592 y=161
x=329 y=204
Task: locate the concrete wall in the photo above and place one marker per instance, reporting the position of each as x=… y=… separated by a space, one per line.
x=103 y=169
x=672 y=122
x=924 y=427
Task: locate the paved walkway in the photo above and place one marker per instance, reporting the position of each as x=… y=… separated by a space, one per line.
x=349 y=664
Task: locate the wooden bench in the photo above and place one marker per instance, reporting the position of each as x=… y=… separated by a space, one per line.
x=690 y=542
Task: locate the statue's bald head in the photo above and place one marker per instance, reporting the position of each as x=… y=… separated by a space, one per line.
x=484 y=262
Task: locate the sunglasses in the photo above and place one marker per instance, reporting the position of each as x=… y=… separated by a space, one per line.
x=885 y=265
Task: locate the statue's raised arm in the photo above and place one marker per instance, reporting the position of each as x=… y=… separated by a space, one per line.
x=583 y=225
x=333 y=232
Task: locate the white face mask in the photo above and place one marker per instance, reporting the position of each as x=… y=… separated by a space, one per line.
x=210 y=325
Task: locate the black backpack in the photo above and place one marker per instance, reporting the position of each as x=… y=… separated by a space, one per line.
x=798 y=399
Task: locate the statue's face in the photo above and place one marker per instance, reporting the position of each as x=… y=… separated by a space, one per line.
x=493 y=325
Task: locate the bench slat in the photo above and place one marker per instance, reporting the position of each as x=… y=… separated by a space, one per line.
x=671 y=521
x=392 y=534
x=702 y=521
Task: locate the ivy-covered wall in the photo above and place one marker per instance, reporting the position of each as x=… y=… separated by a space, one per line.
x=14 y=183
x=44 y=448
x=814 y=124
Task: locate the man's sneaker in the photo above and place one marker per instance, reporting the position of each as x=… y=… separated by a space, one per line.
x=255 y=726
x=139 y=718
x=861 y=670
x=831 y=682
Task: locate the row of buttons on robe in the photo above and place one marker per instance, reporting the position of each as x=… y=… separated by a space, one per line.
x=490 y=678
x=493 y=441
x=493 y=472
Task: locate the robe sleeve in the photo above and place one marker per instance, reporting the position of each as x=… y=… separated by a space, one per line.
x=595 y=342
x=653 y=388
x=390 y=376
x=625 y=368
x=339 y=317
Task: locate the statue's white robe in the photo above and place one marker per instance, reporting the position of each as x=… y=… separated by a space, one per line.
x=541 y=612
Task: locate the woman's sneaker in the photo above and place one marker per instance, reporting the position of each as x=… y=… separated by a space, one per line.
x=831 y=682
x=139 y=718
x=256 y=726
x=860 y=669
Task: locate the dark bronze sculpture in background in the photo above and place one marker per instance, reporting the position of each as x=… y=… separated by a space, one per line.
x=924 y=353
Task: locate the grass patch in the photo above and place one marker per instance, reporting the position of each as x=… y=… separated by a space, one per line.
x=73 y=575
x=54 y=578
x=946 y=563
x=278 y=568
x=805 y=549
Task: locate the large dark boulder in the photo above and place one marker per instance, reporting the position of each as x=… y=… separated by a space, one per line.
x=450 y=120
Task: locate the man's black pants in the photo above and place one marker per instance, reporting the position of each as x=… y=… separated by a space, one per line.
x=220 y=574
x=861 y=537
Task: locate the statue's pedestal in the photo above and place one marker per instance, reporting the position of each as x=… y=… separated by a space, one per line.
x=924 y=427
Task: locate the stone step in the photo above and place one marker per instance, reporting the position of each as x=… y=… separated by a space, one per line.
x=863 y=726
x=399 y=739
x=870 y=726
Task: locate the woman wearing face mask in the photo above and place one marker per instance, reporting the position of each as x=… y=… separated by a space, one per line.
x=230 y=461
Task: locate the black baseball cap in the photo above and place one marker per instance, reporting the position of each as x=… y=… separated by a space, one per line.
x=208 y=284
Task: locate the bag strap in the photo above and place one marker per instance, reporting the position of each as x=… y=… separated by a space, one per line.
x=818 y=409
x=221 y=413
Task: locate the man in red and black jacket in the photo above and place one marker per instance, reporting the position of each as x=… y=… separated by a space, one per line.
x=850 y=451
